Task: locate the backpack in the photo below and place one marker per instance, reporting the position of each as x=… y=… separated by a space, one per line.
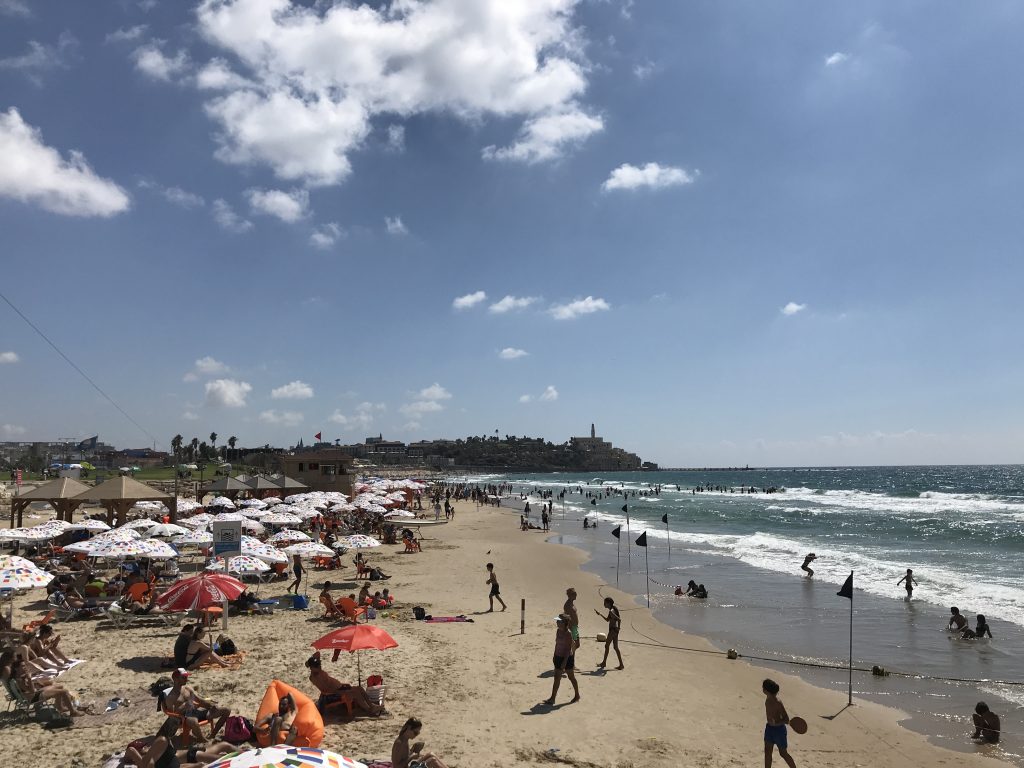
x=237 y=729
x=227 y=647
x=419 y=613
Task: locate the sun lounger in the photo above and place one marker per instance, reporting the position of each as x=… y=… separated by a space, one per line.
x=32 y=626
x=17 y=699
x=118 y=616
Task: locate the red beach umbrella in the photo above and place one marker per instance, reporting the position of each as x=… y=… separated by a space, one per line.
x=201 y=591
x=359 y=637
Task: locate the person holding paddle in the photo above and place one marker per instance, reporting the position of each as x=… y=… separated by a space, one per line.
x=775 y=729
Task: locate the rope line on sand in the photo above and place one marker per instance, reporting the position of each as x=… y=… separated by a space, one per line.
x=818 y=665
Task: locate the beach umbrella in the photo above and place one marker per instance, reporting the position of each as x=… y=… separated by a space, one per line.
x=23 y=578
x=222 y=501
x=254 y=513
x=193 y=539
x=281 y=518
x=272 y=501
x=309 y=549
x=260 y=503
x=287 y=534
x=228 y=516
x=201 y=520
x=26 y=535
x=188 y=505
x=281 y=756
x=242 y=564
x=167 y=529
x=93 y=525
x=356 y=637
x=13 y=561
x=397 y=513
x=116 y=549
x=200 y=591
x=118 y=534
x=264 y=552
x=139 y=525
x=357 y=541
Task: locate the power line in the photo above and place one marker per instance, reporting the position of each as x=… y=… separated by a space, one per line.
x=82 y=373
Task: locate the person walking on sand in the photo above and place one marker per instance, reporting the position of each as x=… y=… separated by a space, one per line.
x=563 y=660
x=808 y=559
x=775 y=729
x=569 y=609
x=614 y=622
x=298 y=571
x=492 y=579
x=909 y=583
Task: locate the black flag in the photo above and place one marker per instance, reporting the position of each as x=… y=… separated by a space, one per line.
x=625 y=508
x=642 y=540
x=664 y=518
x=616 y=530
x=847 y=590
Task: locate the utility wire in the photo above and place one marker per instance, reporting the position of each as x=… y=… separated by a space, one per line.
x=70 y=362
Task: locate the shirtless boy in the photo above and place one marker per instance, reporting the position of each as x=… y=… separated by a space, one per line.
x=495 y=594
x=775 y=729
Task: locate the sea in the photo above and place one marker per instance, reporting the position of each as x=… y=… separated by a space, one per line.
x=960 y=528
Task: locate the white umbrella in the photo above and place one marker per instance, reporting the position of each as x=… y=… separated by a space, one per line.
x=27 y=535
x=287 y=535
x=357 y=541
x=310 y=549
x=253 y=503
x=296 y=757
x=197 y=521
x=94 y=525
x=138 y=524
x=242 y=564
x=281 y=518
x=193 y=539
x=397 y=513
x=167 y=529
x=264 y=552
x=222 y=501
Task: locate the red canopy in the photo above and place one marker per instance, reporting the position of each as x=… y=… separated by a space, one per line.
x=359 y=637
x=201 y=591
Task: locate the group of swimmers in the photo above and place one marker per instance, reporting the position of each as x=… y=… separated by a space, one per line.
x=693 y=589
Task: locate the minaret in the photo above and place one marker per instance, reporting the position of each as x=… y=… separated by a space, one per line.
x=593 y=432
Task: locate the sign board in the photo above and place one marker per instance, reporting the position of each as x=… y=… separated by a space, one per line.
x=17 y=477
x=227 y=538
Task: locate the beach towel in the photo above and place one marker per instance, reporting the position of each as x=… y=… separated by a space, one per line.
x=446 y=619
x=234 y=661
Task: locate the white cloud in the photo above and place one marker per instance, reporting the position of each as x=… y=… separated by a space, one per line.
x=549 y=395
x=227 y=393
x=412 y=426
x=32 y=172
x=363 y=417
x=296 y=390
x=9 y=357
x=510 y=303
x=216 y=75
x=836 y=59
x=395 y=226
x=42 y=57
x=396 y=138
x=548 y=137
x=579 y=307
x=323 y=73
x=225 y=215
x=652 y=176
x=434 y=392
x=792 y=308
x=469 y=300
x=419 y=407
x=126 y=34
x=287 y=206
x=190 y=416
x=281 y=418
x=325 y=236
x=175 y=195
x=511 y=353
x=209 y=366
x=154 y=63
x=644 y=70
x=526 y=398
x=15 y=8
x=12 y=430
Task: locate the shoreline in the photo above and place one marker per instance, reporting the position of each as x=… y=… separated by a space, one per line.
x=477 y=686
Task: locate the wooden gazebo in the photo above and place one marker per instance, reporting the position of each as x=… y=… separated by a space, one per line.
x=225 y=486
x=119 y=494
x=60 y=494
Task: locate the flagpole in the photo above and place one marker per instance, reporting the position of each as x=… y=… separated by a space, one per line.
x=849 y=697
x=668 y=535
x=629 y=539
x=618 y=548
x=647 y=567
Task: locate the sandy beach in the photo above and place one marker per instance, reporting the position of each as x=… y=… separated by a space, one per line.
x=478 y=686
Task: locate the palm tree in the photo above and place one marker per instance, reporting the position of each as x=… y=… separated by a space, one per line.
x=231 y=444
x=213 y=441
x=176 y=442
x=194 y=445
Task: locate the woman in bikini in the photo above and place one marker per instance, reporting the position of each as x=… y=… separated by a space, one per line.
x=614 y=622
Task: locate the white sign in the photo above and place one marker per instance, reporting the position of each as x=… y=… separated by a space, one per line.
x=227 y=538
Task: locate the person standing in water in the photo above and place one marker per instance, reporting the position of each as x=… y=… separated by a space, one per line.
x=908 y=582
x=808 y=559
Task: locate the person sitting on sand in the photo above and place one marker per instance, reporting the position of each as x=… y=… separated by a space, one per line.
x=159 y=751
x=193 y=709
x=332 y=690
x=246 y=601
x=376 y=574
x=44 y=644
x=678 y=591
x=13 y=669
x=191 y=652
x=978 y=632
x=986 y=724
x=405 y=756
x=957 y=621
x=364 y=594
x=281 y=724
x=387 y=597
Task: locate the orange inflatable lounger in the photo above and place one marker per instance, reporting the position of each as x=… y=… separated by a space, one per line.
x=308 y=722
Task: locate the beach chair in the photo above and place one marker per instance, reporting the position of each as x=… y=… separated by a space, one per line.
x=139 y=592
x=186 y=732
x=411 y=545
x=171 y=618
x=32 y=626
x=118 y=616
x=375 y=690
x=16 y=699
x=331 y=611
x=344 y=700
x=362 y=569
x=351 y=611
x=61 y=610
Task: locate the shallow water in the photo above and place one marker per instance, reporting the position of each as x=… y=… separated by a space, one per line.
x=961 y=529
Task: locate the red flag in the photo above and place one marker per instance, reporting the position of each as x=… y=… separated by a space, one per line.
x=317 y=435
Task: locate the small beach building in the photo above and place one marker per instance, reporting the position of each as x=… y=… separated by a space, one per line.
x=327 y=470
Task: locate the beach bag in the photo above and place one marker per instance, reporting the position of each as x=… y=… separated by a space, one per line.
x=371 y=613
x=300 y=603
x=237 y=730
x=419 y=613
x=227 y=647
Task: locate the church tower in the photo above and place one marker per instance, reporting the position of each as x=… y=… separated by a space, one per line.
x=593 y=432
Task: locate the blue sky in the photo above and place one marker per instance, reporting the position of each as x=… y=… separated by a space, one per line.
x=728 y=233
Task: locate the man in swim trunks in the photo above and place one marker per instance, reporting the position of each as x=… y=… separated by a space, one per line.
x=775 y=729
x=908 y=583
x=495 y=593
x=569 y=609
x=184 y=701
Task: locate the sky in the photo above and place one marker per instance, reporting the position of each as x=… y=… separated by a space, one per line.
x=727 y=233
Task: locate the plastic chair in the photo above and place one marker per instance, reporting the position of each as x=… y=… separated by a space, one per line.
x=32 y=626
x=411 y=545
x=350 y=609
x=330 y=609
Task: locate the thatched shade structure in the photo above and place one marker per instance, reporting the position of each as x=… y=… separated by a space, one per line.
x=119 y=494
x=225 y=486
x=59 y=493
